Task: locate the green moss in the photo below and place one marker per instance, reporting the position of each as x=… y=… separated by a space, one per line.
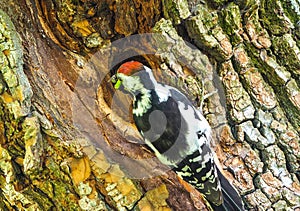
x=274 y=17
x=204 y=29
x=33 y=146
x=17 y=99
x=207 y=16
x=238 y=100
x=39 y=197
x=63 y=197
x=245 y=4
x=66 y=10
x=292 y=10
x=280 y=75
x=24 y=137
x=231 y=22
x=4 y=205
x=16 y=109
x=54 y=169
x=287 y=52
x=178 y=57
x=277 y=76
x=292 y=112
x=6 y=166
x=55 y=184
x=47 y=188
x=7 y=188
x=217 y=3
x=9 y=77
x=176 y=10
x=3 y=60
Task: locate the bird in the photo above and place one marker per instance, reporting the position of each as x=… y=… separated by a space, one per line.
x=177 y=133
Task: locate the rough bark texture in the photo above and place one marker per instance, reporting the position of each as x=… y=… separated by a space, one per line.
x=64 y=147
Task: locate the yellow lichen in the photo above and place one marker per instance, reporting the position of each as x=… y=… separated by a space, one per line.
x=155 y=199
x=83 y=28
x=80 y=169
x=7 y=98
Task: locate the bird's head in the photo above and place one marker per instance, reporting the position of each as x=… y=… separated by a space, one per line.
x=138 y=80
x=129 y=76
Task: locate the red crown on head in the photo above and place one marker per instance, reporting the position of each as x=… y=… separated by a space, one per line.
x=129 y=68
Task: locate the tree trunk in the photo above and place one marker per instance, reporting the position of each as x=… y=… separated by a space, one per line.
x=67 y=137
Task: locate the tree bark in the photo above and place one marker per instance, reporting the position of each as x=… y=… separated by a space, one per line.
x=67 y=137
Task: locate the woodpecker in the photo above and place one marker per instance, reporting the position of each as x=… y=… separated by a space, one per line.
x=176 y=132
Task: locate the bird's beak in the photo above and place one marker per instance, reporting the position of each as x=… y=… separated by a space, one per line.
x=117 y=82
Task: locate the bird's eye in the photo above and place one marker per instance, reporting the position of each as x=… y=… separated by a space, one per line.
x=113 y=79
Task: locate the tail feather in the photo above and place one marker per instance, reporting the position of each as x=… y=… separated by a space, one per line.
x=232 y=200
